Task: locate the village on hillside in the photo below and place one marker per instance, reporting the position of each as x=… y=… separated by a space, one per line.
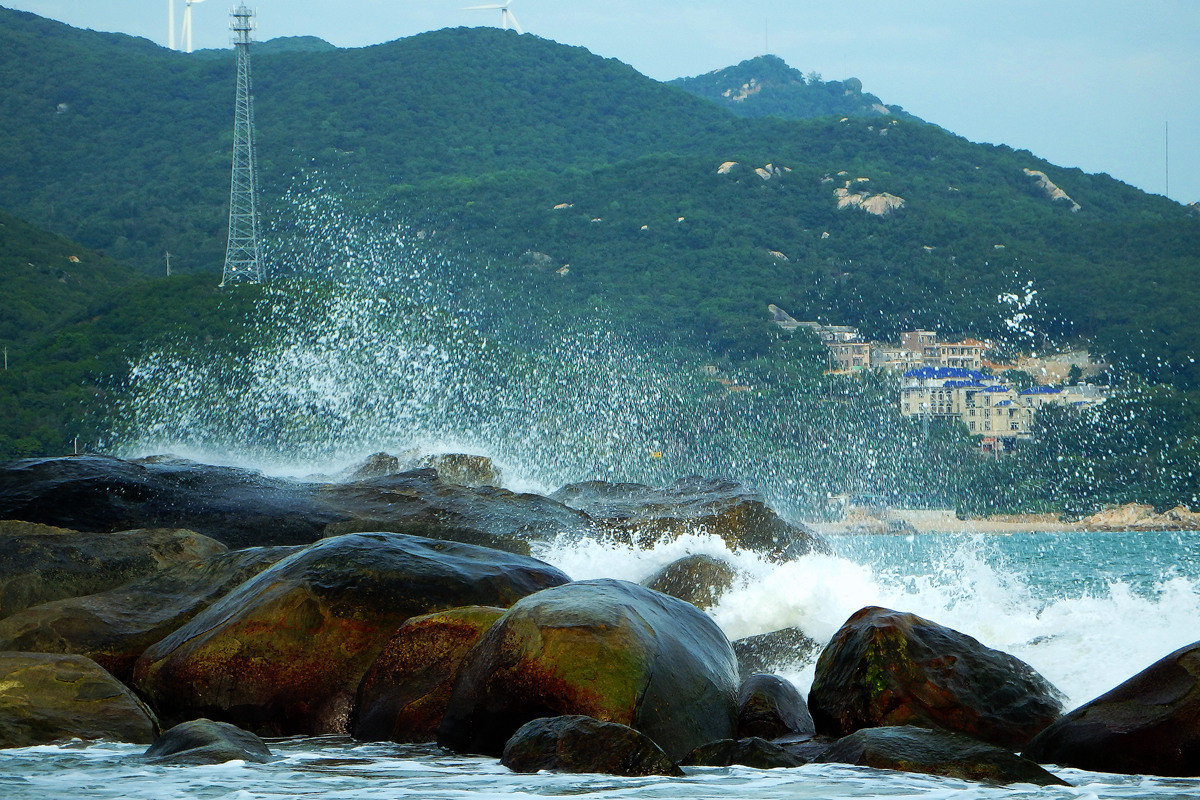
x=955 y=380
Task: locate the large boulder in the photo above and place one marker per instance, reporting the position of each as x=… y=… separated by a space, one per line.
x=953 y=755
x=40 y=563
x=575 y=743
x=784 y=649
x=114 y=628
x=403 y=695
x=284 y=653
x=239 y=507
x=643 y=515
x=770 y=707
x=1149 y=725
x=604 y=648
x=203 y=741
x=46 y=697
x=885 y=667
x=243 y=508
x=420 y=504
x=697 y=579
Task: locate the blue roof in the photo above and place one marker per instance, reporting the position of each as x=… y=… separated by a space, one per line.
x=954 y=373
x=1042 y=390
x=995 y=388
x=962 y=384
x=1003 y=403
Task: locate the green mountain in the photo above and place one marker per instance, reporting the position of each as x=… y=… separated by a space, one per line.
x=570 y=182
x=767 y=87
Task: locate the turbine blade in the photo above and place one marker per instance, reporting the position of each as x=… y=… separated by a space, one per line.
x=513 y=19
x=490 y=7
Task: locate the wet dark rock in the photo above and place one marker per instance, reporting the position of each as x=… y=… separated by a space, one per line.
x=697 y=579
x=203 y=741
x=47 y=697
x=643 y=515
x=462 y=469
x=770 y=707
x=39 y=563
x=1149 y=725
x=238 y=507
x=806 y=746
x=403 y=695
x=242 y=508
x=575 y=743
x=114 y=628
x=284 y=653
x=936 y=752
x=607 y=649
x=747 y=752
x=419 y=504
x=778 y=650
x=890 y=668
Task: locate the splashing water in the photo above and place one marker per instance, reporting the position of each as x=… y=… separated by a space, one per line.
x=379 y=340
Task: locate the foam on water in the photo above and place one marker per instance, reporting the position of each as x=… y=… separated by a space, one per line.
x=1084 y=639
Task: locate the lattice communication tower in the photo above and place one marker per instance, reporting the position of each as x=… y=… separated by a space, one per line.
x=243 y=255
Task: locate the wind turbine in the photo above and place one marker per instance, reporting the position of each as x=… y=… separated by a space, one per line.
x=187 y=25
x=506 y=17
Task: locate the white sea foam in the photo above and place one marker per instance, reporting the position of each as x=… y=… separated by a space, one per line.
x=1085 y=642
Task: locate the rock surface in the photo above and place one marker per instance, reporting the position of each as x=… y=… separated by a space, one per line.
x=39 y=563
x=203 y=741
x=114 y=628
x=607 y=649
x=575 y=743
x=644 y=515
x=1149 y=725
x=747 y=752
x=403 y=695
x=777 y=650
x=953 y=755
x=697 y=579
x=770 y=707
x=242 y=508
x=284 y=652
x=885 y=668
x=46 y=697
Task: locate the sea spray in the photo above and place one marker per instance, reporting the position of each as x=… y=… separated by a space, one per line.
x=1085 y=637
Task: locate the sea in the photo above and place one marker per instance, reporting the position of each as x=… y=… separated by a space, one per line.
x=1087 y=610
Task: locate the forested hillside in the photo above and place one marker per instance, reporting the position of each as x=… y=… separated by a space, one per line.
x=570 y=182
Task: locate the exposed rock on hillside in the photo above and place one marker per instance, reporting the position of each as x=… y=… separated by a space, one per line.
x=1052 y=191
x=880 y=204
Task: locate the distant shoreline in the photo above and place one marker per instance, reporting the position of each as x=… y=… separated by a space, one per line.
x=1132 y=518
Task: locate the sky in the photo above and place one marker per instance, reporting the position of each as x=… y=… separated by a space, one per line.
x=1104 y=85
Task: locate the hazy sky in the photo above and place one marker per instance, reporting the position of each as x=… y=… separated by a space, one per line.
x=1095 y=84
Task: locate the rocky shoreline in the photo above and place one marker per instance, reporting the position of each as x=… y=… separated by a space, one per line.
x=197 y=609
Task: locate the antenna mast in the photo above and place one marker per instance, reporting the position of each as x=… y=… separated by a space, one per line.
x=243 y=256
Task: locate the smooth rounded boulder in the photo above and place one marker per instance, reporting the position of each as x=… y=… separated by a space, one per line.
x=203 y=741
x=909 y=749
x=284 y=652
x=886 y=668
x=1149 y=725
x=770 y=707
x=698 y=579
x=46 y=697
x=787 y=648
x=404 y=693
x=603 y=648
x=576 y=743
